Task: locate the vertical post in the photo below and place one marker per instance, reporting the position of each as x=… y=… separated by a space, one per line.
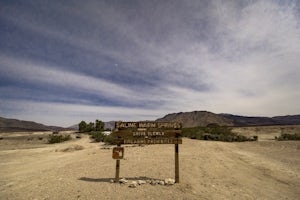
x=176 y=163
x=117 y=169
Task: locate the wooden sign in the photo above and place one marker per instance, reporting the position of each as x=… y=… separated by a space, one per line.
x=146 y=133
x=148 y=125
x=118 y=153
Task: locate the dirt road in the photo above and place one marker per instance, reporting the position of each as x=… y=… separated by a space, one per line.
x=208 y=170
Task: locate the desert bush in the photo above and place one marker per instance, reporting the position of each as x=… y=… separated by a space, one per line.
x=109 y=139
x=241 y=138
x=193 y=133
x=58 y=138
x=287 y=136
x=97 y=136
x=215 y=133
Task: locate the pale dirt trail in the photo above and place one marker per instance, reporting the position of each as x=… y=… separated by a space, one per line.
x=208 y=170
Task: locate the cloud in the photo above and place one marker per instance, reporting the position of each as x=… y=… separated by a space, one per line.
x=66 y=79
x=65 y=114
x=222 y=56
x=53 y=76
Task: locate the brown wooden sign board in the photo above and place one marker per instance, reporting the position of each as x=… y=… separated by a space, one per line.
x=148 y=125
x=149 y=141
x=148 y=133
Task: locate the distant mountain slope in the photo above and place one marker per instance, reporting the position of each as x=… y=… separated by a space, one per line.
x=288 y=119
x=15 y=125
x=263 y=121
x=109 y=125
x=197 y=118
x=204 y=118
x=74 y=127
x=250 y=121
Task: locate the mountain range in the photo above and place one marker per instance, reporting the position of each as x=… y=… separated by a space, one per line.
x=204 y=118
x=15 y=125
x=188 y=119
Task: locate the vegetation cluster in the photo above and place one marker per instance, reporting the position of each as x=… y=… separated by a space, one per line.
x=58 y=138
x=215 y=133
x=95 y=130
x=288 y=136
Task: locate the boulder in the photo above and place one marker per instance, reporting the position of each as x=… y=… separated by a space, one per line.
x=133 y=184
x=161 y=182
x=169 y=181
x=140 y=182
x=123 y=181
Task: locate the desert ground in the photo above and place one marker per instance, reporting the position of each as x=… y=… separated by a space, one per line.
x=81 y=169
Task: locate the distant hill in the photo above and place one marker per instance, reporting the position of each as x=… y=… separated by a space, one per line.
x=197 y=118
x=15 y=125
x=204 y=118
x=74 y=127
x=288 y=119
x=263 y=121
x=188 y=119
x=109 y=125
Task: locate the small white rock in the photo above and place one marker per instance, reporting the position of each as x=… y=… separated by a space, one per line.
x=123 y=180
x=153 y=182
x=133 y=184
x=112 y=181
x=169 y=181
x=161 y=182
x=140 y=182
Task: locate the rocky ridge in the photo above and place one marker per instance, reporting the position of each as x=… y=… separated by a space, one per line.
x=197 y=118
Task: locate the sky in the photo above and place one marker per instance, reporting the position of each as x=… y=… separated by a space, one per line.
x=66 y=61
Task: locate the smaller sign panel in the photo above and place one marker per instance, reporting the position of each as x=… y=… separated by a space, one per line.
x=149 y=141
x=146 y=133
x=118 y=153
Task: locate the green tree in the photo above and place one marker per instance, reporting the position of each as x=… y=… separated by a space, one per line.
x=82 y=126
x=99 y=125
x=90 y=127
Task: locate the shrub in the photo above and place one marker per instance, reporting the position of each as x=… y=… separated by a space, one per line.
x=97 y=136
x=215 y=133
x=109 y=139
x=58 y=138
x=286 y=136
x=100 y=137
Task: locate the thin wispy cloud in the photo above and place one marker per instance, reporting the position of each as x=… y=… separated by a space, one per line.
x=157 y=57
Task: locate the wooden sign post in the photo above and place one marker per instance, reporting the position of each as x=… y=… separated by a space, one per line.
x=118 y=153
x=147 y=133
x=176 y=163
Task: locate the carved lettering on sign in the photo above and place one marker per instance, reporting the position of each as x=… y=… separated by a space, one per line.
x=144 y=133
x=147 y=133
x=135 y=125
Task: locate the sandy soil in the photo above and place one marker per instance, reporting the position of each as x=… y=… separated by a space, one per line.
x=79 y=169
